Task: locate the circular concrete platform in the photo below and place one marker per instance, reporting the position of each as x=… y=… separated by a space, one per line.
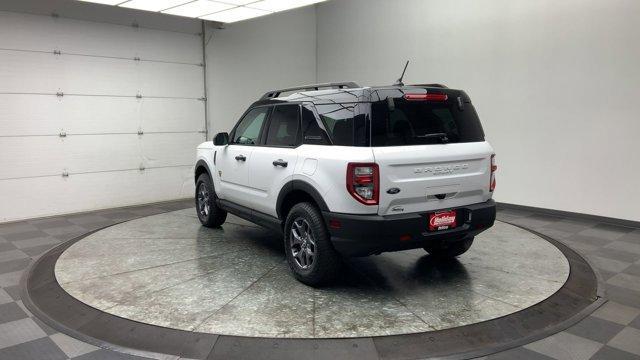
x=169 y=271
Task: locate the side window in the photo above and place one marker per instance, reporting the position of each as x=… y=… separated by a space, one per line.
x=283 y=127
x=248 y=130
x=312 y=133
x=339 y=120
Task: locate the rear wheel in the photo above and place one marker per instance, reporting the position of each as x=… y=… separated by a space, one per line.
x=310 y=254
x=447 y=250
x=209 y=213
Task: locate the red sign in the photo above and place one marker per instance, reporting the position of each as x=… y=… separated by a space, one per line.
x=442 y=220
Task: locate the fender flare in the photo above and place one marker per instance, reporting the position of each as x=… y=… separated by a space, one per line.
x=199 y=164
x=300 y=185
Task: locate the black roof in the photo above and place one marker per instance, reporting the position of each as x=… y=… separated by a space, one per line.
x=349 y=92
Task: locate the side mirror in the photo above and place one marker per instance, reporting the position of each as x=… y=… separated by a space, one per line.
x=221 y=139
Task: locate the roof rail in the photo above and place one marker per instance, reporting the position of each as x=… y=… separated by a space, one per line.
x=431 y=85
x=339 y=85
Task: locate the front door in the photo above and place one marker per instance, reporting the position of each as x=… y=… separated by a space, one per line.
x=233 y=160
x=273 y=164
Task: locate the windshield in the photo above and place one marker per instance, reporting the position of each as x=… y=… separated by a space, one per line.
x=397 y=122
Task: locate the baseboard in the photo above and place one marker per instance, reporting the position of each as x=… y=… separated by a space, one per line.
x=569 y=214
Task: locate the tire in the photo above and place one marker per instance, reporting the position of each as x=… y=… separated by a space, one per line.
x=209 y=213
x=310 y=254
x=448 y=250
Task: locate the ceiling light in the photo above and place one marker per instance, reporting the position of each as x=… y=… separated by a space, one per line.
x=152 y=5
x=238 y=2
x=281 y=5
x=214 y=10
x=198 y=8
x=235 y=14
x=105 y=2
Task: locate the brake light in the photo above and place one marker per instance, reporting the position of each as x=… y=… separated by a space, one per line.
x=493 y=167
x=363 y=182
x=426 y=97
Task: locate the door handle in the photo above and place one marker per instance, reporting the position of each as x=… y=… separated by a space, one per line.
x=281 y=163
x=241 y=158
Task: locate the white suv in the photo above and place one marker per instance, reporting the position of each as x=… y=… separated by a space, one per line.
x=340 y=169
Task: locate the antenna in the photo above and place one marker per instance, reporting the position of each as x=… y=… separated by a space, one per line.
x=399 y=81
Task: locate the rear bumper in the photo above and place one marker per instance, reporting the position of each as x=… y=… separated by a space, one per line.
x=361 y=235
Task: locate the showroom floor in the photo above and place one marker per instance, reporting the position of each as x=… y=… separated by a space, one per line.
x=612 y=332
x=235 y=281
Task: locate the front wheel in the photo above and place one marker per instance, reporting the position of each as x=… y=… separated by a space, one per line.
x=447 y=250
x=309 y=251
x=209 y=213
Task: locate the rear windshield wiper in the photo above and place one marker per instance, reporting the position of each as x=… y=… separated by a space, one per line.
x=442 y=136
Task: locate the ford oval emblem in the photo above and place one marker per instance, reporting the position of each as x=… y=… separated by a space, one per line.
x=393 y=191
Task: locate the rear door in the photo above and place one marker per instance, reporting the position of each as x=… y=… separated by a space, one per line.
x=273 y=163
x=431 y=153
x=233 y=160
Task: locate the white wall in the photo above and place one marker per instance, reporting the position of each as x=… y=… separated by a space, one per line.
x=556 y=84
x=100 y=113
x=247 y=59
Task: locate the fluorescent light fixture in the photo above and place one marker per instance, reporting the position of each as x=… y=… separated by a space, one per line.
x=226 y=11
x=281 y=5
x=152 y=5
x=198 y=8
x=238 y=2
x=235 y=14
x=104 y=2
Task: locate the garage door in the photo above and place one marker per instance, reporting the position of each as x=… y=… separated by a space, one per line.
x=95 y=115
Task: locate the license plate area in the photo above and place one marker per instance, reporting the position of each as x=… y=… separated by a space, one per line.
x=442 y=220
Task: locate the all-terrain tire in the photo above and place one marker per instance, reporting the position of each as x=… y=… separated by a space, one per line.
x=209 y=213
x=326 y=262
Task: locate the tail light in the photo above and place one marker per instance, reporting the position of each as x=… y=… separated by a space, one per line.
x=426 y=97
x=494 y=167
x=363 y=182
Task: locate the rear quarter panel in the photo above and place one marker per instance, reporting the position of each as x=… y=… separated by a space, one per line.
x=325 y=168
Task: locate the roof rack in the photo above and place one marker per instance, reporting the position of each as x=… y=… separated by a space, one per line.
x=338 y=85
x=431 y=85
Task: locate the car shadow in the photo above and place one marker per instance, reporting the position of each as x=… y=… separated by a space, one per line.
x=403 y=271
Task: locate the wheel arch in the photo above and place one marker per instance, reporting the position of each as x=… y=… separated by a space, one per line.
x=296 y=191
x=201 y=168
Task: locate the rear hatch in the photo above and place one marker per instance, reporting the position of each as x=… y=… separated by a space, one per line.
x=430 y=148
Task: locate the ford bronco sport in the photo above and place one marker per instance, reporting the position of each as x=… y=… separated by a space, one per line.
x=343 y=170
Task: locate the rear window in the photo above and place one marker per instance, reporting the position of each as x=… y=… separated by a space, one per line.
x=402 y=122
